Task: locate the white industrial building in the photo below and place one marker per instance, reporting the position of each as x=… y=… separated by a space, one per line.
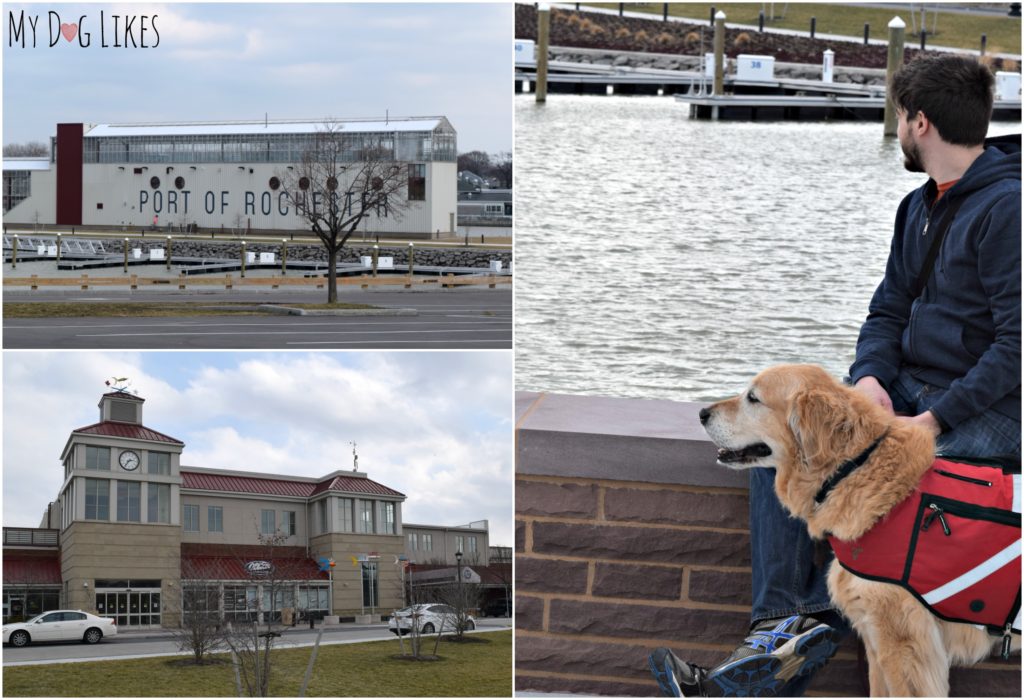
x=214 y=175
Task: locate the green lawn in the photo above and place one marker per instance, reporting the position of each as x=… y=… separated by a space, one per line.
x=952 y=28
x=466 y=670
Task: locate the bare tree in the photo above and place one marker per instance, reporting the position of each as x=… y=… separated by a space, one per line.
x=201 y=630
x=342 y=180
x=26 y=150
x=252 y=641
x=460 y=597
x=502 y=169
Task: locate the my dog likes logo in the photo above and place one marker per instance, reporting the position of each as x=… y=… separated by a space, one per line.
x=116 y=31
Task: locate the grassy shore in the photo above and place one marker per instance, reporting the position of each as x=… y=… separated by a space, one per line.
x=343 y=670
x=953 y=29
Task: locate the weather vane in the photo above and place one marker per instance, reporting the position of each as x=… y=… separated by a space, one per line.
x=120 y=384
x=355 y=458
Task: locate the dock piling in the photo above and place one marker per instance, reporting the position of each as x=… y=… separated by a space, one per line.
x=543 y=37
x=897 y=33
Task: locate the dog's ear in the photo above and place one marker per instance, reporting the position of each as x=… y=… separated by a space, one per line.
x=821 y=422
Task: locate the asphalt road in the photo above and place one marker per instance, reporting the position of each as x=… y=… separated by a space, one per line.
x=447 y=319
x=159 y=643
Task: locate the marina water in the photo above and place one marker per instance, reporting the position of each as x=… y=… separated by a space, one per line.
x=663 y=257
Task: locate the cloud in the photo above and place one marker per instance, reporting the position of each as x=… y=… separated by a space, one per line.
x=435 y=426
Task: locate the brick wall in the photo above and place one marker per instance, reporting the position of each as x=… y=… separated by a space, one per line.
x=628 y=537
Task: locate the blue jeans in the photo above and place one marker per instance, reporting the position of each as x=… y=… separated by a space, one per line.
x=785 y=580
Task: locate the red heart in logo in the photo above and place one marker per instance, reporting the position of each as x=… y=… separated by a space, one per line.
x=69 y=31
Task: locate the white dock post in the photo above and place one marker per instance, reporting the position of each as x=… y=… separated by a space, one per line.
x=719 y=45
x=897 y=32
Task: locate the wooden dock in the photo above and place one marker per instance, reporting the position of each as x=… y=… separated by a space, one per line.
x=777 y=99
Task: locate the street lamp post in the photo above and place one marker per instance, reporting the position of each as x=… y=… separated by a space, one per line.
x=462 y=606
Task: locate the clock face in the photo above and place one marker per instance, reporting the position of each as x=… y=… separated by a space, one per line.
x=128 y=460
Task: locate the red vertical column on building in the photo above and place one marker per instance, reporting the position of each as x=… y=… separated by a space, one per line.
x=69 y=174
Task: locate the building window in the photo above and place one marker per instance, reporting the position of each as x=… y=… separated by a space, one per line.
x=387 y=518
x=97 y=458
x=97 y=499
x=215 y=519
x=345 y=508
x=417 y=182
x=190 y=518
x=321 y=512
x=371 y=593
x=159 y=463
x=472 y=545
x=159 y=503
x=411 y=538
x=366 y=516
x=268 y=525
x=129 y=501
x=428 y=543
x=288 y=522
x=460 y=544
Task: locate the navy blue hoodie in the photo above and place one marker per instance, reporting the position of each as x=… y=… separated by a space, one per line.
x=963 y=333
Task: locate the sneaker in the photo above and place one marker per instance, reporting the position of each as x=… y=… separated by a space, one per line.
x=676 y=678
x=775 y=653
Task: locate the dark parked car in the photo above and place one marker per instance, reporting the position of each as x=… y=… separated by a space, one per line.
x=497 y=607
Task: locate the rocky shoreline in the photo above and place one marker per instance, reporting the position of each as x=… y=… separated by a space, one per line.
x=423 y=255
x=682 y=40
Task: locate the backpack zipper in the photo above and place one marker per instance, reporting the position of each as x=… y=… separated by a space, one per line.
x=937 y=512
x=961 y=477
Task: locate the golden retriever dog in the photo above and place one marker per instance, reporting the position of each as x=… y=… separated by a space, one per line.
x=805 y=424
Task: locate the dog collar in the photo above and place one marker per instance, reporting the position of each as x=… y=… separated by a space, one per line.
x=847 y=468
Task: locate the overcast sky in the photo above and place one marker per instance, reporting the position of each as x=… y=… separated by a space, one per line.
x=238 y=61
x=436 y=426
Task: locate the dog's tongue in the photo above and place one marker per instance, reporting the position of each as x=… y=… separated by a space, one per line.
x=749 y=452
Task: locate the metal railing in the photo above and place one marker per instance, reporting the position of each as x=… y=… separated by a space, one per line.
x=31 y=537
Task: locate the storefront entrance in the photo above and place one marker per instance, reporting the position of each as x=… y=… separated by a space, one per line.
x=131 y=605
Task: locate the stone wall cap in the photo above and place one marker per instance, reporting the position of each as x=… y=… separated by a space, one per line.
x=598 y=437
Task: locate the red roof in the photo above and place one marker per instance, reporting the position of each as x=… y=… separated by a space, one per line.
x=351 y=484
x=126 y=430
x=280 y=487
x=124 y=395
x=245 y=484
x=217 y=565
x=27 y=569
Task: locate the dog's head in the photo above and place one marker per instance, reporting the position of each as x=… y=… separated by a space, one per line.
x=790 y=415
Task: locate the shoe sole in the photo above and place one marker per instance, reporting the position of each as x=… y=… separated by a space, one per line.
x=666 y=679
x=765 y=675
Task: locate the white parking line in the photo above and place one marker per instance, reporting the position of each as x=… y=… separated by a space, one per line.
x=292 y=332
x=278 y=322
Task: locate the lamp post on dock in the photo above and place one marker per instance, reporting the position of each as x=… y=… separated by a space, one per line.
x=897 y=33
x=719 y=44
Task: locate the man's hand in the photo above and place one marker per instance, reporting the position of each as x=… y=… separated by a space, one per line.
x=925 y=420
x=871 y=388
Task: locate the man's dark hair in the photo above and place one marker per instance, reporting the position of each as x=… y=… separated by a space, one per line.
x=954 y=92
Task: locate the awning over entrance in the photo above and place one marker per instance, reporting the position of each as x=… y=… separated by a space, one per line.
x=35 y=568
x=242 y=563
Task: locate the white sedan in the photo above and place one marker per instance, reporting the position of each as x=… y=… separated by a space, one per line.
x=429 y=618
x=58 y=626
